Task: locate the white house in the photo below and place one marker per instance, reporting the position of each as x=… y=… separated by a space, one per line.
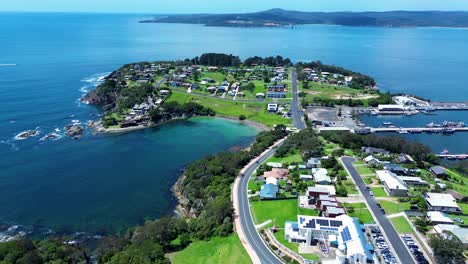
x=392 y=185
x=271 y=180
x=320 y=176
x=442 y=202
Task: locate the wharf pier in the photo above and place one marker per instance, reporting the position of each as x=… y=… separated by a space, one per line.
x=416 y=129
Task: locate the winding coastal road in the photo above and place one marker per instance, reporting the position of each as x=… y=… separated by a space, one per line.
x=246 y=222
x=393 y=238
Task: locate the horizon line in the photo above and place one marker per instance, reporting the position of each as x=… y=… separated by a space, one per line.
x=208 y=13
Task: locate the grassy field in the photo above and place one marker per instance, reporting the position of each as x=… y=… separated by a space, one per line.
x=363 y=169
x=360 y=212
x=318 y=90
x=379 y=192
x=456 y=185
x=288 y=159
x=254 y=185
x=394 y=207
x=305 y=211
x=253 y=111
x=293 y=246
x=464 y=207
x=279 y=210
x=350 y=187
x=218 y=250
x=401 y=225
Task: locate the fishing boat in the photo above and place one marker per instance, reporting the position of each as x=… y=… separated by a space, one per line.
x=387 y=123
x=448 y=131
x=444 y=152
x=403 y=131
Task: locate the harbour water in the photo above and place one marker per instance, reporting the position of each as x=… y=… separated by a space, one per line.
x=48 y=61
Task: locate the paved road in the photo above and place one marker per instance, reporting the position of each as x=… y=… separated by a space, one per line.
x=393 y=238
x=296 y=109
x=247 y=223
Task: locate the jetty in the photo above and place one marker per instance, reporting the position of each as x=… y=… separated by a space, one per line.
x=417 y=129
x=453 y=156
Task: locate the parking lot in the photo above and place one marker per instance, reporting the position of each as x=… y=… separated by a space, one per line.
x=414 y=249
x=381 y=246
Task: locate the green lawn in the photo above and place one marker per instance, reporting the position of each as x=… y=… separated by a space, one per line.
x=305 y=211
x=456 y=182
x=401 y=225
x=368 y=180
x=293 y=246
x=279 y=210
x=464 y=207
x=318 y=90
x=379 y=192
x=253 y=111
x=462 y=217
x=363 y=169
x=218 y=250
x=288 y=159
x=350 y=187
x=360 y=212
x=254 y=185
x=393 y=208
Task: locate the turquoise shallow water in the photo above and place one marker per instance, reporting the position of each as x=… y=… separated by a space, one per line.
x=112 y=182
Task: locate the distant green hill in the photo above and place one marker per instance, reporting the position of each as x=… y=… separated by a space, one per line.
x=281 y=17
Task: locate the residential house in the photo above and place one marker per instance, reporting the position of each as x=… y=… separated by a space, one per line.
x=271 y=180
x=276 y=173
x=413 y=181
x=274 y=164
x=320 y=176
x=392 y=185
x=305 y=177
x=272 y=108
x=442 y=202
x=439 y=172
x=436 y=218
x=460 y=232
x=372 y=151
x=458 y=196
x=317 y=190
x=395 y=169
x=313 y=163
x=164 y=92
x=404 y=158
x=371 y=160
x=268 y=191
x=277 y=91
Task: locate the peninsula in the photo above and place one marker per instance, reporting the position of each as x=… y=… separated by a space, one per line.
x=256 y=90
x=280 y=18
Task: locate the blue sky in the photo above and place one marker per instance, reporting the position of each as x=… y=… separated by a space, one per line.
x=226 y=6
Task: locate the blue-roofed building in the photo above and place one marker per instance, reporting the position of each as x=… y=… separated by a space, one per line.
x=268 y=191
x=395 y=168
x=342 y=232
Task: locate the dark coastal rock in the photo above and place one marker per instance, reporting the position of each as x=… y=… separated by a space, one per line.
x=74 y=131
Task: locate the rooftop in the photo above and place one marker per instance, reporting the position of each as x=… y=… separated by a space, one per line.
x=436 y=216
x=460 y=232
x=390 y=179
x=441 y=200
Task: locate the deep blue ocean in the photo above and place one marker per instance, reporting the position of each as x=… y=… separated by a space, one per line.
x=48 y=61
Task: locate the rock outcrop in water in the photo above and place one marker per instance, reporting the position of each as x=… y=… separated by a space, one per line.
x=74 y=131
